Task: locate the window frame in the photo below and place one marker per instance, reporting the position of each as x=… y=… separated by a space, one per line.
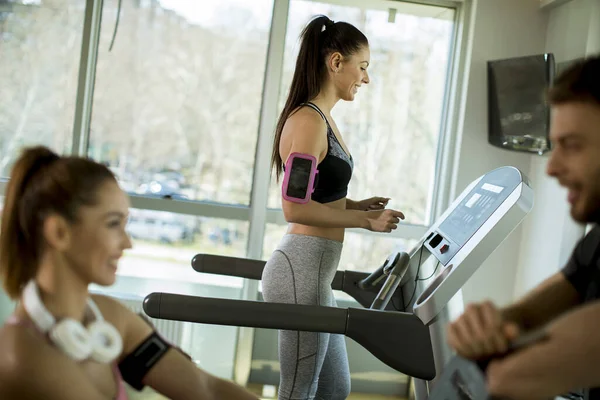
x=257 y=213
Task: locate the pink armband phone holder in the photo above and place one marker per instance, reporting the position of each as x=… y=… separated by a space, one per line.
x=299 y=178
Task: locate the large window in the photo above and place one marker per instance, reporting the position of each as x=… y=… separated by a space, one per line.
x=184 y=95
x=177 y=97
x=392 y=128
x=40 y=44
x=164 y=244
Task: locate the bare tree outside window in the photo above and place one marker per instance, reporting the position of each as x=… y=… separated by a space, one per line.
x=177 y=99
x=40 y=45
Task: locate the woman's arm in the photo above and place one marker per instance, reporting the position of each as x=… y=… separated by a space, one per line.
x=304 y=133
x=174 y=375
x=351 y=204
x=178 y=378
x=317 y=214
x=372 y=203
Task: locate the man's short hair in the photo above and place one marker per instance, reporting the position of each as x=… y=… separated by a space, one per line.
x=578 y=83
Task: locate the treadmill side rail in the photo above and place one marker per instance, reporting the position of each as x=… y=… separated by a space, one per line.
x=230 y=266
x=255 y=314
x=400 y=340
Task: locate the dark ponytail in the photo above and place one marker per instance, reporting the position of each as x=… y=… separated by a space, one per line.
x=319 y=39
x=41 y=183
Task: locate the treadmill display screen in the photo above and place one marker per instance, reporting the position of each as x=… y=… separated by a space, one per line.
x=477 y=207
x=492 y=188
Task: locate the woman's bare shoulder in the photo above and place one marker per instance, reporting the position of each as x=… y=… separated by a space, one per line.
x=306 y=117
x=31 y=368
x=113 y=311
x=305 y=132
x=20 y=343
x=22 y=352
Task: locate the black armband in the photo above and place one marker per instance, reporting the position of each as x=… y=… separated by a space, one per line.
x=136 y=365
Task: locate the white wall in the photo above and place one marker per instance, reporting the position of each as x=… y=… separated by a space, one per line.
x=502 y=29
x=544 y=241
x=573 y=29
x=549 y=233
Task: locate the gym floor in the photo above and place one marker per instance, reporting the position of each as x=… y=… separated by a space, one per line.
x=257 y=389
x=149 y=394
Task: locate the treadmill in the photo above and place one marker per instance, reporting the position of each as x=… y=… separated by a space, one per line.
x=411 y=341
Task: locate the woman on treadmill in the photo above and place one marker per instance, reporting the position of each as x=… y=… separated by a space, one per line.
x=331 y=66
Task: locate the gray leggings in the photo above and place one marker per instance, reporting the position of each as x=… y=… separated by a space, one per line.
x=313 y=365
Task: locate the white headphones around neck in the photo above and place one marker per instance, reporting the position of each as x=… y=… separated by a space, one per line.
x=99 y=340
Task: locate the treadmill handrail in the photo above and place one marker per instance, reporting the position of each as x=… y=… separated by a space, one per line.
x=399 y=267
x=346 y=281
x=376 y=276
x=230 y=266
x=400 y=340
x=243 y=268
x=254 y=314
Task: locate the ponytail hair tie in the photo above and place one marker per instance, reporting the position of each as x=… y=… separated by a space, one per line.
x=328 y=24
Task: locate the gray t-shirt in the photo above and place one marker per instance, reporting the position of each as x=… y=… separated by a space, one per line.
x=583 y=272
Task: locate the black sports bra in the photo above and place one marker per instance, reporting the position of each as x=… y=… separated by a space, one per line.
x=335 y=171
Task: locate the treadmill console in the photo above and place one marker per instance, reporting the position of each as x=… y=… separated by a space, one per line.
x=484 y=214
x=472 y=212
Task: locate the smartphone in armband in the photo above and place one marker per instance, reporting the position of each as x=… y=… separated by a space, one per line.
x=299 y=178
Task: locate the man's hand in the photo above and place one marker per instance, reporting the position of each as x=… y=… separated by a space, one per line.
x=481 y=332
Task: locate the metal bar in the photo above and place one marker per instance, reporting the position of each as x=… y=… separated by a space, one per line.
x=256 y=314
x=449 y=164
x=550 y=4
x=392 y=282
x=87 y=77
x=404 y=6
x=262 y=174
x=457 y=101
x=189 y=207
x=445 y=132
x=267 y=122
x=400 y=340
x=384 y=270
x=229 y=266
